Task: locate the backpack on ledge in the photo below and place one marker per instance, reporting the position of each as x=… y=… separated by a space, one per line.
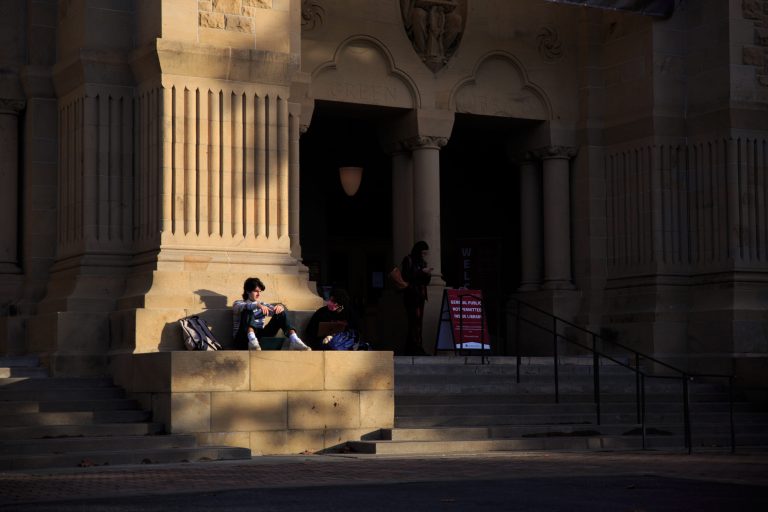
x=197 y=334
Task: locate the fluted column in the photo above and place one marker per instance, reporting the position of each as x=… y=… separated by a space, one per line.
x=557 y=216
x=9 y=170
x=425 y=152
x=530 y=225
x=294 y=129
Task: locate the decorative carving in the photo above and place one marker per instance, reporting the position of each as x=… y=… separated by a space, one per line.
x=435 y=28
x=757 y=55
x=550 y=47
x=312 y=14
x=547 y=152
x=423 y=141
x=11 y=106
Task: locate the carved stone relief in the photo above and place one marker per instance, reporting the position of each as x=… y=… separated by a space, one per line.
x=312 y=15
x=499 y=88
x=549 y=47
x=435 y=28
x=757 y=54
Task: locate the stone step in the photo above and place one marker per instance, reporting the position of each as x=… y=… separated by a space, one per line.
x=73 y=418
x=507 y=369
x=476 y=409
x=19 y=361
x=7 y=372
x=94 y=444
x=120 y=457
x=53 y=393
x=451 y=360
x=54 y=431
x=437 y=384
x=652 y=419
x=32 y=406
x=520 y=431
x=557 y=443
x=27 y=383
x=407 y=399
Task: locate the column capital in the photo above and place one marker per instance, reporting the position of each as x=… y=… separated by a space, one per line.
x=424 y=142
x=547 y=152
x=11 y=106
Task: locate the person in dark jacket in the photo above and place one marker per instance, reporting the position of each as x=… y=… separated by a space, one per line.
x=337 y=315
x=417 y=274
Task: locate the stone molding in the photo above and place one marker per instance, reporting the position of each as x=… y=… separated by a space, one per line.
x=423 y=142
x=11 y=106
x=548 y=152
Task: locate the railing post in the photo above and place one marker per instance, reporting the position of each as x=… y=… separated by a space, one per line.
x=517 y=338
x=554 y=340
x=687 y=415
x=637 y=383
x=642 y=407
x=596 y=374
x=730 y=399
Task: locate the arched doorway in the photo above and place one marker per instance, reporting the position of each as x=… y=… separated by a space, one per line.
x=347 y=241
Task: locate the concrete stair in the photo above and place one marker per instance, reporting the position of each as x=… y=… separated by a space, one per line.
x=449 y=404
x=69 y=422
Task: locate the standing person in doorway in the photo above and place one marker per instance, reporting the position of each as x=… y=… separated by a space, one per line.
x=249 y=317
x=417 y=274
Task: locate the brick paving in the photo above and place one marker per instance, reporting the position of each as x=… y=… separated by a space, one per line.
x=319 y=470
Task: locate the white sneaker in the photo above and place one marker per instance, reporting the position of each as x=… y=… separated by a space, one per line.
x=295 y=343
x=254 y=344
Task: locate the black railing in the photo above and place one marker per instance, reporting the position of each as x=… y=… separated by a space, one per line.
x=640 y=374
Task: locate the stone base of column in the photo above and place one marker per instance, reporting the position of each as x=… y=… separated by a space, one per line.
x=530 y=286
x=560 y=284
x=432 y=315
x=147 y=316
x=71 y=344
x=12 y=336
x=564 y=304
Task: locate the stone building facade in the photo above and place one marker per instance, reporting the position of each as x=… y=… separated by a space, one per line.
x=157 y=152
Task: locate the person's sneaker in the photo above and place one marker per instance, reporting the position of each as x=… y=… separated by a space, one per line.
x=254 y=344
x=296 y=344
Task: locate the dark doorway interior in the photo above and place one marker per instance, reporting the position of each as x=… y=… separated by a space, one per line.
x=347 y=241
x=480 y=218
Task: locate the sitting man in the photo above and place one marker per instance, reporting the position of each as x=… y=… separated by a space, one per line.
x=334 y=317
x=249 y=315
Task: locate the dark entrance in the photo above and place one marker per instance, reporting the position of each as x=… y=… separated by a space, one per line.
x=347 y=241
x=480 y=217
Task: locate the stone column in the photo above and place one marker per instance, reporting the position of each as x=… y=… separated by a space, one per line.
x=425 y=152
x=530 y=226
x=402 y=204
x=557 y=217
x=9 y=178
x=294 y=196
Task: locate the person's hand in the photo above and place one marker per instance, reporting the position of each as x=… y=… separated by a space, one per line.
x=264 y=309
x=327 y=340
x=279 y=308
x=428 y=270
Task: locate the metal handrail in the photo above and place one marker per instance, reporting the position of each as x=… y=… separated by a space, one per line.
x=641 y=375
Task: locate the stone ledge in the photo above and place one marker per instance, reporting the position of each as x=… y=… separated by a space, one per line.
x=273 y=402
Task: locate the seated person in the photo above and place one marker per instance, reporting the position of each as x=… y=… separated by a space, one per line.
x=249 y=315
x=335 y=316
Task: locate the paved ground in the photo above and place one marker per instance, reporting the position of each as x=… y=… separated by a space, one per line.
x=615 y=481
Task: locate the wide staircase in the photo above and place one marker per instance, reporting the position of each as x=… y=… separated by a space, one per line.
x=450 y=404
x=591 y=393
x=50 y=422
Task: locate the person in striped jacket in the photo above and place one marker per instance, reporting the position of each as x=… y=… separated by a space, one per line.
x=249 y=319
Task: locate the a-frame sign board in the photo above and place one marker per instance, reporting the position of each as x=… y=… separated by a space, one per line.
x=463 y=324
